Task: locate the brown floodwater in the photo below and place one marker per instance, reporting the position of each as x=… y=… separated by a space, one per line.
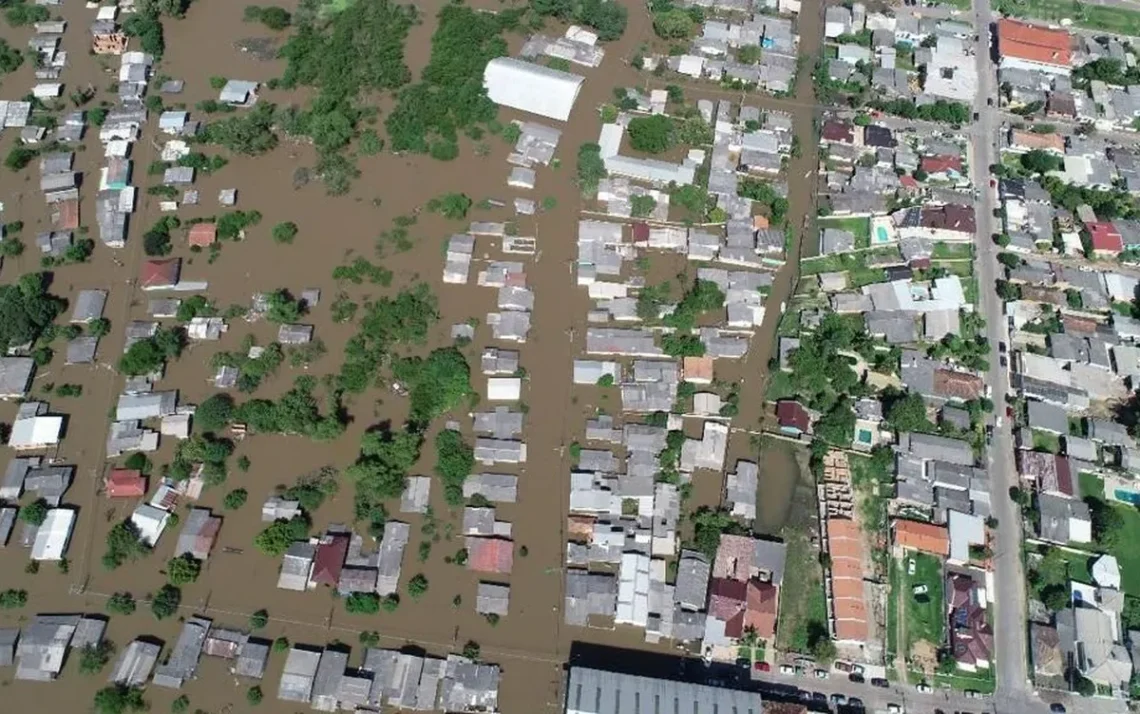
x=531 y=644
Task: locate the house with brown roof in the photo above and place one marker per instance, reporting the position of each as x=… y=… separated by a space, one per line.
x=489 y=555
x=108 y=42
x=1022 y=140
x=971 y=637
x=951 y=384
x=329 y=560
x=951 y=217
x=945 y=167
x=160 y=274
x=923 y=537
x=847 y=605
x=836 y=131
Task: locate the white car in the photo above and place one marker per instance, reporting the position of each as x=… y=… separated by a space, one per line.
x=787 y=669
x=821 y=674
x=894 y=709
x=922 y=687
x=921 y=589
x=910 y=566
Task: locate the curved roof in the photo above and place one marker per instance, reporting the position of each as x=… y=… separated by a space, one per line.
x=531 y=87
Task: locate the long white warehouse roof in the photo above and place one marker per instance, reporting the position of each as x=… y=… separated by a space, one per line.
x=531 y=87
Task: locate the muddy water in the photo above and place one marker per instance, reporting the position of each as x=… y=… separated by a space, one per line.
x=531 y=644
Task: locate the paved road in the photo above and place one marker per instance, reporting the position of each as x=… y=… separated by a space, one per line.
x=1010 y=617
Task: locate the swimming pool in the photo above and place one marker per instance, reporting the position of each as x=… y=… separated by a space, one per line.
x=882 y=235
x=1127 y=496
x=864 y=436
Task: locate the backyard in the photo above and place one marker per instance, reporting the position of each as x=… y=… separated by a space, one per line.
x=925 y=614
x=1121 y=539
x=803 y=612
x=854 y=264
x=859 y=226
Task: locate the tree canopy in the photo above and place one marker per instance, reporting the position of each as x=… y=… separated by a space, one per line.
x=436 y=384
x=26 y=308
x=148 y=355
x=276 y=538
x=454 y=462
x=652 y=134
x=607 y=17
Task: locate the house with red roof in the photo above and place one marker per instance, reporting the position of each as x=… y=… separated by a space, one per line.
x=489 y=555
x=125 y=483
x=329 y=560
x=1033 y=47
x=943 y=167
x=1105 y=239
x=160 y=274
x=793 y=417
x=202 y=235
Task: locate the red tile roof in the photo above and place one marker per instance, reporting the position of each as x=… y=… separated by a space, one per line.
x=330 y=560
x=735 y=557
x=761 y=608
x=125 y=483
x=941 y=164
x=845 y=546
x=949 y=217
x=1105 y=237
x=1034 y=43
x=203 y=234
x=960 y=385
x=838 y=131
x=924 y=537
x=160 y=273
x=490 y=555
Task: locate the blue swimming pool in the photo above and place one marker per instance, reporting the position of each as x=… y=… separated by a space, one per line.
x=1128 y=496
x=881 y=234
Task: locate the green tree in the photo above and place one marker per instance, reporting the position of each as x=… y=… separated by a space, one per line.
x=653 y=134
x=253 y=695
x=183 y=570
x=455 y=460
x=215 y=413
x=93 y=658
x=259 y=619
x=673 y=24
x=120 y=699
x=121 y=604
x=418 y=586
x=281 y=534
x=180 y=705
x=451 y=205
x=908 y=413
x=12 y=599
x=285 y=232
x=124 y=543
x=362 y=603
x=591 y=168
x=165 y=602
x=35 y=513
x=235 y=499
x=282 y=307
x=471 y=650
x=26 y=309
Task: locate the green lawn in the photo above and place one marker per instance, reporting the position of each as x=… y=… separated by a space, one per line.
x=802 y=615
x=1125 y=550
x=893 y=610
x=961 y=268
x=959 y=4
x=981 y=681
x=860 y=226
x=1046 y=441
x=970 y=289
x=953 y=250
x=925 y=616
x=1096 y=17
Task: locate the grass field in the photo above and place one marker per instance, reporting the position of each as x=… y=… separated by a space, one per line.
x=1045 y=441
x=803 y=616
x=859 y=226
x=893 y=610
x=855 y=265
x=1096 y=17
x=1125 y=550
x=925 y=616
x=953 y=250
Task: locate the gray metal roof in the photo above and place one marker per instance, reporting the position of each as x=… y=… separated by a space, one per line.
x=492 y=598
x=184 y=656
x=693 y=572
x=15 y=375
x=297 y=677
x=327 y=680
x=595 y=691
x=469 y=686
x=134 y=664
x=251 y=659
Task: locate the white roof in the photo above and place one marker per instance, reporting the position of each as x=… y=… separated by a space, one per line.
x=965 y=530
x=35 y=431
x=504 y=389
x=150 y=521
x=1106 y=572
x=52 y=536
x=531 y=87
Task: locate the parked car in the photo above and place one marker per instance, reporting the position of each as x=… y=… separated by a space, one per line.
x=894 y=709
x=922 y=687
x=787 y=669
x=920 y=589
x=857 y=668
x=1057 y=707
x=879 y=682
x=854 y=703
x=841 y=666
x=973 y=694
x=819 y=697
x=855 y=677
x=821 y=674
x=838 y=700
x=910 y=566
x=762 y=667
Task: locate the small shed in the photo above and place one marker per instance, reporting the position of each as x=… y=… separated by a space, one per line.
x=504 y=389
x=173 y=122
x=238 y=92
x=492 y=599
x=203 y=234
x=178 y=176
x=88 y=306
x=295 y=334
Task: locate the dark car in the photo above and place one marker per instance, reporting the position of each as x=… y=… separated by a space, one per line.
x=855 y=703
x=819 y=697
x=1057 y=707
x=880 y=682
x=855 y=677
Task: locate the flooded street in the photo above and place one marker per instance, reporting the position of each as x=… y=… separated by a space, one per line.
x=532 y=643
